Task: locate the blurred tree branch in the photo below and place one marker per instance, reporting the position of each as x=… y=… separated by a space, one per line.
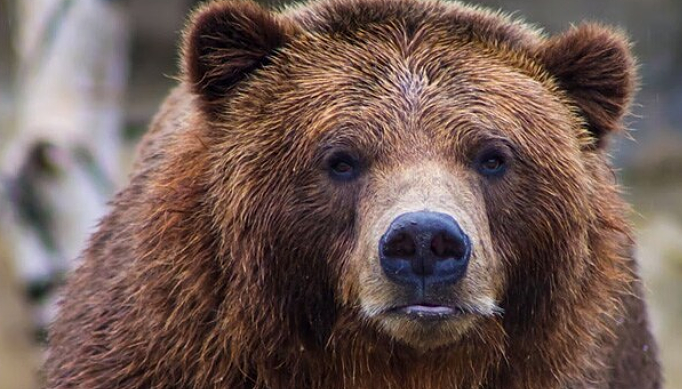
x=19 y=358
x=62 y=85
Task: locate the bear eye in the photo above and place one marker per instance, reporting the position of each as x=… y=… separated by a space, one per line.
x=342 y=166
x=492 y=163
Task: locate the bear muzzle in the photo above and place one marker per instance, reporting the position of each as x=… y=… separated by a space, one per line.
x=424 y=251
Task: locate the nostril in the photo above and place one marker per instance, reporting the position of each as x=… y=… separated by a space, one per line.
x=400 y=245
x=445 y=245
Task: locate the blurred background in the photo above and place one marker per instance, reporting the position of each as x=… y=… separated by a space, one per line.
x=80 y=80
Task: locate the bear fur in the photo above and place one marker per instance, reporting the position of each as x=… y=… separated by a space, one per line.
x=233 y=259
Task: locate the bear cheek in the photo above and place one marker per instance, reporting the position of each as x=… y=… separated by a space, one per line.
x=542 y=211
x=485 y=281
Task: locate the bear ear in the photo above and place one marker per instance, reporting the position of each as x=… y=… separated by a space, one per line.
x=594 y=65
x=224 y=42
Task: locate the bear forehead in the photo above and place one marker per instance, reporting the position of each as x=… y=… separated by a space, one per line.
x=357 y=70
x=405 y=52
x=425 y=32
x=385 y=57
x=382 y=79
x=345 y=16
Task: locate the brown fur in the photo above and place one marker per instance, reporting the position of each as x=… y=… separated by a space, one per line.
x=232 y=260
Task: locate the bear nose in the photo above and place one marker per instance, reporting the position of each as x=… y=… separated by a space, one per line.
x=424 y=248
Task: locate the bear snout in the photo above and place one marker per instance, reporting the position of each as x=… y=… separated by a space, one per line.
x=424 y=249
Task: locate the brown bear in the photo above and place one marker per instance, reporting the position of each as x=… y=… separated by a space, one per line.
x=369 y=194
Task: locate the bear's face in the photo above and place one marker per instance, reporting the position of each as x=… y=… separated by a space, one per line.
x=450 y=134
x=411 y=170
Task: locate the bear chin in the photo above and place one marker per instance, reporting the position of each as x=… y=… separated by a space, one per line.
x=433 y=321
x=425 y=332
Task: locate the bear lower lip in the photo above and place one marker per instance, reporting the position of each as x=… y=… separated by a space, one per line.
x=430 y=312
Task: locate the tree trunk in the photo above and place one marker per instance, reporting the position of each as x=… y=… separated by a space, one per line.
x=60 y=154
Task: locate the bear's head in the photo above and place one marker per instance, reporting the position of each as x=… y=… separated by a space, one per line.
x=424 y=171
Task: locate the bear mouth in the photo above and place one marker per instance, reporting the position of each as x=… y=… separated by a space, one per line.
x=428 y=312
